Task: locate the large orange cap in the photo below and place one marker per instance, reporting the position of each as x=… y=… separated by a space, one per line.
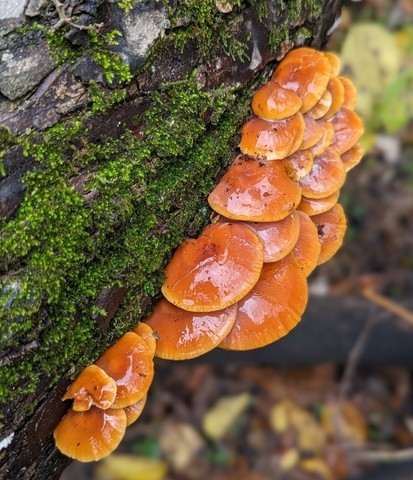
x=129 y=363
x=215 y=270
x=93 y=386
x=278 y=238
x=274 y=102
x=313 y=132
x=272 y=140
x=348 y=129
x=326 y=177
x=256 y=191
x=272 y=308
x=90 y=435
x=183 y=335
x=322 y=106
x=350 y=93
x=352 y=157
x=306 y=72
x=331 y=226
x=336 y=88
x=299 y=164
x=321 y=146
x=334 y=61
x=146 y=333
x=133 y=412
x=315 y=206
x=307 y=249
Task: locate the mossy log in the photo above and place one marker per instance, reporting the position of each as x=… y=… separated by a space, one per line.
x=116 y=121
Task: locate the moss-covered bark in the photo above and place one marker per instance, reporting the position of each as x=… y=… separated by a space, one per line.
x=111 y=190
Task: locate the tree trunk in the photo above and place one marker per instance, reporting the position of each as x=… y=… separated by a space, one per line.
x=116 y=123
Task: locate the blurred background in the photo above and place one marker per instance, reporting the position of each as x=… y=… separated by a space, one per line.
x=331 y=421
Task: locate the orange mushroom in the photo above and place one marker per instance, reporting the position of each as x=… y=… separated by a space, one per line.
x=334 y=61
x=336 y=88
x=299 y=164
x=352 y=157
x=272 y=140
x=306 y=72
x=146 y=333
x=322 y=106
x=129 y=363
x=348 y=129
x=321 y=146
x=272 y=308
x=331 y=226
x=350 y=93
x=215 y=270
x=183 y=335
x=93 y=386
x=255 y=191
x=315 y=206
x=133 y=412
x=326 y=176
x=313 y=132
x=90 y=435
x=307 y=249
x=273 y=102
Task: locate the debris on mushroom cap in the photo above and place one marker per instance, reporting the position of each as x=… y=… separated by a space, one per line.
x=336 y=88
x=334 y=61
x=278 y=238
x=321 y=146
x=322 y=106
x=331 y=226
x=352 y=157
x=299 y=164
x=350 y=92
x=215 y=270
x=315 y=206
x=272 y=308
x=133 y=412
x=255 y=191
x=306 y=72
x=348 y=129
x=90 y=435
x=93 y=386
x=307 y=249
x=183 y=335
x=326 y=176
x=272 y=140
x=129 y=363
x=273 y=102
x=313 y=132
x=146 y=333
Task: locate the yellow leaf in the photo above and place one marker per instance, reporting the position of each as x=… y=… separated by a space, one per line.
x=289 y=459
x=130 y=467
x=317 y=466
x=221 y=416
x=280 y=415
x=311 y=437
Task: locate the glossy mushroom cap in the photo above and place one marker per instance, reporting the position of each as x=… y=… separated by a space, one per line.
x=352 y=157
x=307 y=249
x=350 y=93
x=215 y=270
x=313 y=132
x=321 y=146
x=348 y=129
x=315 y=206
x=273 y=102
x=93 y=386
x=272 y=308
x=331 y=226
x=306 y=72
x=322 y=106
x=336 y=88
x=183 y=335
x=129 y=363
x=299 y=164
x=272 y=140
x=255 y=191
x=133 y=412
x=90 y=435
x=334 y=61
x=146 y=333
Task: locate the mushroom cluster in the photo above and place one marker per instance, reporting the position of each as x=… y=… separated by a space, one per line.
x=107 y=397
x=242 y=283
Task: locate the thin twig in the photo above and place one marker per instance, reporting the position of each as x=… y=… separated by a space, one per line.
x=387 y=304
x=383 y=456
x=66 y=19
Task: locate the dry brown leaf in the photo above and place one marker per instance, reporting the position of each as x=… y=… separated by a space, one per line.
x=345 y=421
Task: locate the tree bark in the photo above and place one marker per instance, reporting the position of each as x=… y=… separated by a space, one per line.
x=94 y=197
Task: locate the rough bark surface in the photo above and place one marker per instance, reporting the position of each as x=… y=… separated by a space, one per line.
x=84 y=167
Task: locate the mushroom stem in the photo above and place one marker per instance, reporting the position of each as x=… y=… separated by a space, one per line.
x=388 y=304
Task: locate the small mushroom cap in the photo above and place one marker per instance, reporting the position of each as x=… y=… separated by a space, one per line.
x=331 y=226
x=272 y=140
x=336 y=88
x=322 y=106
x=348 y=129
x=321 y=146
x=255 y=191
x=146 y=333
x=350 y=93
x=326 y=177
x=313 y=132
x=334 y=61
x=315 y=206
x=133 y=412
x=278 y=238
x=215 y=270
x=93 y=386
x=274 y=102
x=184 y=335
x=299 y=164
x=307 y=249
x=90 y=435
x=352 y=157
x=129 y=363
x=272 y=308
x=306 y=72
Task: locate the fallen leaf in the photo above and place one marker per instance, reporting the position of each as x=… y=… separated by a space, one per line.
x=130 y=467
x=346 y=421
x=317 y=466
x=280 y=415
x=289 y=459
